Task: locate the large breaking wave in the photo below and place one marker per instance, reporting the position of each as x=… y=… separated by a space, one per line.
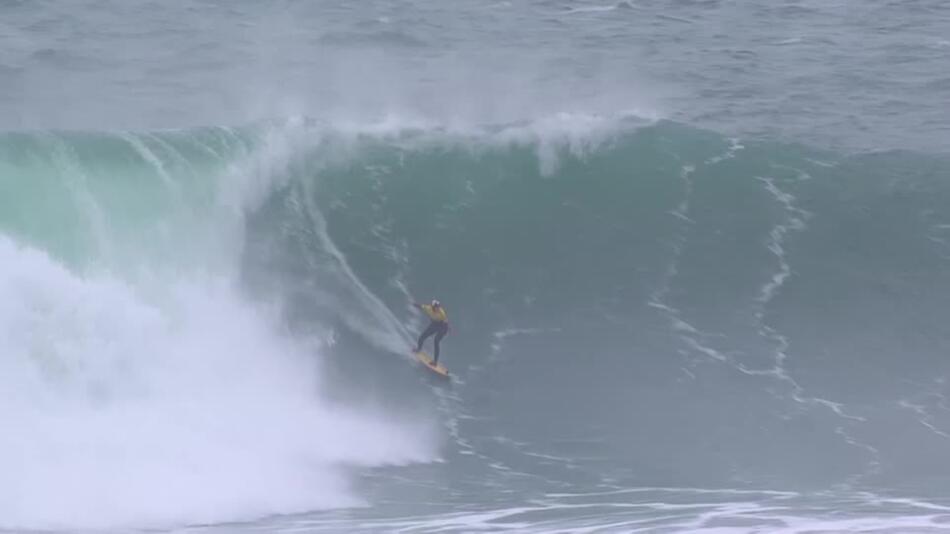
x=207 y=324
x=140 y=383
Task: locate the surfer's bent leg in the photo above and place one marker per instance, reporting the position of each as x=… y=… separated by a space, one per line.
x=433 y=326
x=442 y=330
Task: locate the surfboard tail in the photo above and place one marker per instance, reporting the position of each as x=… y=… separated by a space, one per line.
x=426 y=360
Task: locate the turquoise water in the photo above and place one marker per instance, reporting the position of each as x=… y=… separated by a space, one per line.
x=692 y=253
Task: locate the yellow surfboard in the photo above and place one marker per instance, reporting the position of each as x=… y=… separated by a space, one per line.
x=426 y=360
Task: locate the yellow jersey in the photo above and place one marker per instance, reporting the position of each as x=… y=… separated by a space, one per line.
x=436 y=314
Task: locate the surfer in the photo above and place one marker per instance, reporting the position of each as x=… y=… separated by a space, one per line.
x=438 y=327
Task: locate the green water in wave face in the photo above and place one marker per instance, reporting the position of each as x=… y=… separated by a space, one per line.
x=657 y=308
x=131 y=350
x=122 y=201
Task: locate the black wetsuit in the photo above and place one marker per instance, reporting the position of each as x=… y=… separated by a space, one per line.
x=439 y=328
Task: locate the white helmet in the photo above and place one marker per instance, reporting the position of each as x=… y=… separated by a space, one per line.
x=436 y=304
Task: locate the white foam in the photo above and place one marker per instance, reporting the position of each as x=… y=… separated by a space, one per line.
x=158 y=394
x=120 y=411
x=689 y=335
x=646 y=511
x=553 y=136
x=924 y=417
x=601 y=9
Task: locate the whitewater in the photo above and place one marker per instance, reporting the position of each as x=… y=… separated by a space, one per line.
x=695 y=257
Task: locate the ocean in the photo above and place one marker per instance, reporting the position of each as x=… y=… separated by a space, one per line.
x=694 y=254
